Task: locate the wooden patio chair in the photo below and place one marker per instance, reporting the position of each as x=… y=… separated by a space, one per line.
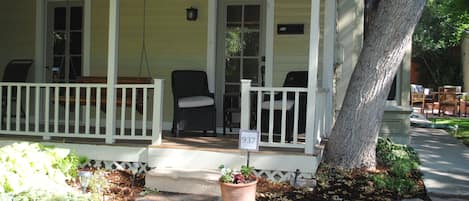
x=417 y=97
x=448 y=98
x=194 y=105
x=15 y=71
x=430 y=99
x=464 y=103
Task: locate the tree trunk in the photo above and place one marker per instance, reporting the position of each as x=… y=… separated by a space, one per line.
x=353 y=139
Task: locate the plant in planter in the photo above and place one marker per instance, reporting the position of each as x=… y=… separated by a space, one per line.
x=238 y=185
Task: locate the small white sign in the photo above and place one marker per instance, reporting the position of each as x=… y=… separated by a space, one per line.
x=249 y=140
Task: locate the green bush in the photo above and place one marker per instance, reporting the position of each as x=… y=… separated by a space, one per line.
x=401 y=186
x=388 y=153
x=37 y=172
x=403 y=163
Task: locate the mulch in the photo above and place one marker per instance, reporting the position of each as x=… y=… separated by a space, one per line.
x=356 y=186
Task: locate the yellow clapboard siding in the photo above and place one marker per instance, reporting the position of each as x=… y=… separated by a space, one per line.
x=18 y=31
x=291 y=51
x=171 y=41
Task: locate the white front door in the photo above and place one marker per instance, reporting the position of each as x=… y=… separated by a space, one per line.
x=64 y=40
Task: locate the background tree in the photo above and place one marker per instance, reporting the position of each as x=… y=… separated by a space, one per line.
x=353 y=139
x=435 y=41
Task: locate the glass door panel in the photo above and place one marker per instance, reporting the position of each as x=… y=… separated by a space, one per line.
x=251 y=41
x=251 y=70
x=243 y=58
x=252 y=16
x=65 y=39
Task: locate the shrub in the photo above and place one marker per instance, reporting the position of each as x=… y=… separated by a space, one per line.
x=402 y=162
x=388 y=153
x=37 y=172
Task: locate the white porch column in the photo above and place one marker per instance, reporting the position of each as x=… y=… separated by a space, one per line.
x=157 y=126
x=211 y=43
x=269 y=42
x=328 y=62
x=245 y=103
x=39 y=54
x=87 y=38
x=40 y=71
x=112 y=60
x=312 y=140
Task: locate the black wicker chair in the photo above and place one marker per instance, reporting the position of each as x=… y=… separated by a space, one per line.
x=15 y=71
x=293 y=79
x=194 y=105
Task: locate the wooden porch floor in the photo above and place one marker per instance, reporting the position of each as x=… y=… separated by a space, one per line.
x=221 y=143
x=188 y=141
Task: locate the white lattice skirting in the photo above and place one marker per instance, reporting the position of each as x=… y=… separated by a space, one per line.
x=139 y=167
x=302 y=179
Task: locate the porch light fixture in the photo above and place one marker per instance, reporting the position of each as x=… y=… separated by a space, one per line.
x=191 y=14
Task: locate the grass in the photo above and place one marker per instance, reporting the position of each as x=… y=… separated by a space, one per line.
x=462 y=132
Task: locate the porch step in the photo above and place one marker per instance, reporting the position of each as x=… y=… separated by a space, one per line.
x=201 y=182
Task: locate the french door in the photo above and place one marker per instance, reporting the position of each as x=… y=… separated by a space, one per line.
x=64 y=40
x=243 y=43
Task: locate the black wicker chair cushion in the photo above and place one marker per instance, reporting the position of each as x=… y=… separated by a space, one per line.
x=194 y=106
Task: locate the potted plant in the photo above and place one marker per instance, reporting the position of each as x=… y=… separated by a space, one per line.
x=238 y=185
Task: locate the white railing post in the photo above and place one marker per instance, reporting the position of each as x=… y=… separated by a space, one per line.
x=245 y=103
x=8 y=104
x=157 y=111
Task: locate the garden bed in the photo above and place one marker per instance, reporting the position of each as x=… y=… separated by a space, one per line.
x=397 y=177
x=341 y=185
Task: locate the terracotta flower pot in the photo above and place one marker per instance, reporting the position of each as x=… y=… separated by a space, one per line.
x=238 y=192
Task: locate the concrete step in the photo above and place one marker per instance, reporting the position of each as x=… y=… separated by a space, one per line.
x=200 y=182
x=166 y=196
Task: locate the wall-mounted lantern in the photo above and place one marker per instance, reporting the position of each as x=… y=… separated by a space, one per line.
x=191 y=14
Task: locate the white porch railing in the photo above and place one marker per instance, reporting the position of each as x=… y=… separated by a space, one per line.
x=75 y=110
x=277 y=107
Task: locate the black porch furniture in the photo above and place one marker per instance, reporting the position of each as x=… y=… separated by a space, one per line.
x=15 y=71
x=293 y=79
x=231 y=111
x=194 y=105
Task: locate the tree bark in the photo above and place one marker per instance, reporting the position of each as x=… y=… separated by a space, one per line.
x=353 y=139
